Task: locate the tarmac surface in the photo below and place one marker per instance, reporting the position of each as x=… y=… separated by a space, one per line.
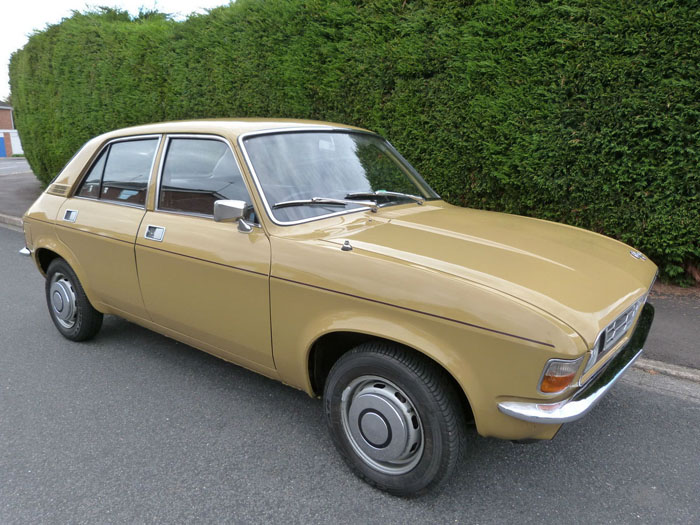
x=19 y=188
x=675 y=334
x=133 y=427
x=674 y=337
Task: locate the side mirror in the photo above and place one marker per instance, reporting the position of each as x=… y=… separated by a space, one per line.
x=228 y=210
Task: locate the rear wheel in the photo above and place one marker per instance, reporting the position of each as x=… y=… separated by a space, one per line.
x=395 y=418
x=69 y=307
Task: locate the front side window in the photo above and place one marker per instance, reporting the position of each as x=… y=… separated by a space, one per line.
x=296 y=167
x=121 y=172
x=197 y=173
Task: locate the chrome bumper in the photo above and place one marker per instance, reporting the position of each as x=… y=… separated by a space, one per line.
x=588 y=396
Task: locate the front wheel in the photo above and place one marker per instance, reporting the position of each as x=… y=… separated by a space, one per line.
x=69 y=307
x=395 y=418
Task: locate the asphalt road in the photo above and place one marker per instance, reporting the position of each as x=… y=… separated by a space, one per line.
x=675 y=334
x=19 y=186
x=136 y=428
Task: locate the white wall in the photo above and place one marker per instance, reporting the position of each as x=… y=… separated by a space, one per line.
x=14 y=141
x=16 y=144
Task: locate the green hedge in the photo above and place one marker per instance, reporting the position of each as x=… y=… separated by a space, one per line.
x=585 y=112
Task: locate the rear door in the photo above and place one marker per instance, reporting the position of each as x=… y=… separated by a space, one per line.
x=100 y=222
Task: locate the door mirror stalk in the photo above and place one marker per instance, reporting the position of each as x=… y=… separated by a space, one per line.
x=230 y=211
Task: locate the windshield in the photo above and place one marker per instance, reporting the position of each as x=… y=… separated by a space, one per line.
x=322 y=165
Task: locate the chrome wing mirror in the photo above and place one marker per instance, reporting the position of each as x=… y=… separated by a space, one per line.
x=231 y=211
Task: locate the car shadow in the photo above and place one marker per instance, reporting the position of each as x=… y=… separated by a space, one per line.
x=589 y=455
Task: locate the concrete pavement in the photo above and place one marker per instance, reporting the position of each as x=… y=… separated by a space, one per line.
x=674 y=338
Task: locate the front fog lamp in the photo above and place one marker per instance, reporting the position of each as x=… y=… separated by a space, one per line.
x=558 y=374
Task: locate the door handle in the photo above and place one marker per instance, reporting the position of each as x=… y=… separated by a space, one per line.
x=70 y=215
x=154 y=233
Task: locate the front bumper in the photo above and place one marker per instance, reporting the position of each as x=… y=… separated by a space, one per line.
x=587 y=397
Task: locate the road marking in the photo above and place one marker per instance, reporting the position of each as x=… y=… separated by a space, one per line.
x=15 y=168
x=659 y=367
x=663 y=384
x=11 y=223
x=10 y=219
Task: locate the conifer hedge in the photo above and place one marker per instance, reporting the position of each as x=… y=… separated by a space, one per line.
x=579 y=111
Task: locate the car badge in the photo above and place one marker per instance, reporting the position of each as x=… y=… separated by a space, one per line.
x=638 y=255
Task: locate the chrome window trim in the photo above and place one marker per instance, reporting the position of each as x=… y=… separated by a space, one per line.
x=200 y=216
x=116 y=203
x=315 y=128
x=188 y=213
x=96 y=158
x=161 y=164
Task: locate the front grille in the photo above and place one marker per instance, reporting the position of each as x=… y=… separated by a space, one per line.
x=615 y=331
x=618 y=328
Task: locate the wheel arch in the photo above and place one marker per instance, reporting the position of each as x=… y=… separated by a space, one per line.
x=45 y=254
x=327 y=348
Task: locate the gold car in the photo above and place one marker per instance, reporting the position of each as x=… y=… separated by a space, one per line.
x=313 y=253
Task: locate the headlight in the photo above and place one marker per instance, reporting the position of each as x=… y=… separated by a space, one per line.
x=558 y=375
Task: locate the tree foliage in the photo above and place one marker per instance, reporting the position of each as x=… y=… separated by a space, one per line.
x=579 y=111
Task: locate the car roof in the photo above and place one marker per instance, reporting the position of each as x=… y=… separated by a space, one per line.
x=226 y=126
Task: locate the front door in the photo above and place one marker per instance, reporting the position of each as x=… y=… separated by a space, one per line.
x=201 y=278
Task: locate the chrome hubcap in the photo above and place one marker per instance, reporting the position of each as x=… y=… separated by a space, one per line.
x=62 y=300
x=382 y=425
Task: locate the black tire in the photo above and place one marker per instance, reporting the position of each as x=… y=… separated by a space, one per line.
x=371 y=395
x=69 y=307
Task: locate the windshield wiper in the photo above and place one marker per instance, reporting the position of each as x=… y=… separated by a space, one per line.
x=325 y=201
x=382 y=193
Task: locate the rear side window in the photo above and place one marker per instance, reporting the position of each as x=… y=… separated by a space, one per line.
x=198 y=172
x=91 y=185
x=121 y=172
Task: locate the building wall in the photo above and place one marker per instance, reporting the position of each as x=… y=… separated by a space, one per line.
x=6 y=118
x=8 y=134
x=8 y=143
